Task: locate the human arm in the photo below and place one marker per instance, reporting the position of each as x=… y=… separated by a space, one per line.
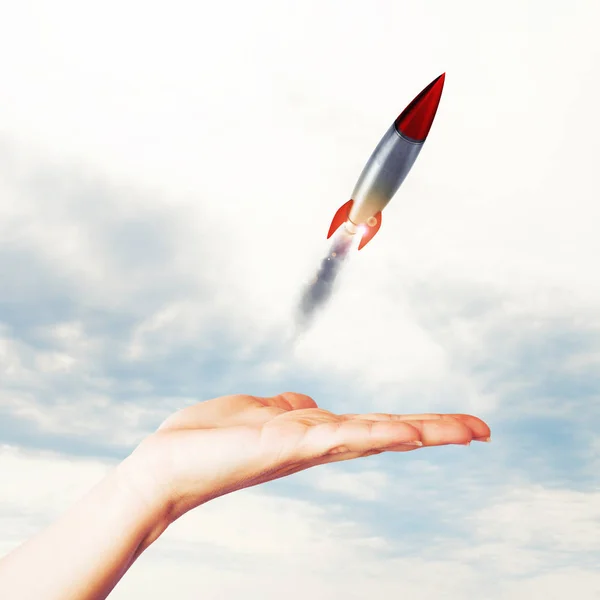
x=84 y=553
x=199 y=453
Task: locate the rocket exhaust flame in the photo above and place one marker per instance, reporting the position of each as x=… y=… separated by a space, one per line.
x=319 y=290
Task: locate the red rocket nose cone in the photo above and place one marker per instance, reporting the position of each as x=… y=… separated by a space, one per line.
x=415 y=120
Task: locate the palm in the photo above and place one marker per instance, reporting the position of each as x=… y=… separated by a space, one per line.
x=218 y=446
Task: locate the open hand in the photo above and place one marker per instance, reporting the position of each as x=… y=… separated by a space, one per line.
x=221 y=445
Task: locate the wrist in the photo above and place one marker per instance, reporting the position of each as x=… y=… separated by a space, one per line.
x=145 y=497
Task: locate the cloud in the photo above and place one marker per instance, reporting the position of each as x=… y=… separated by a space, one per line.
x=114 y=351
x=174 y=248
x=574 y=517
x=161 y=206
x=254 y=536
x=363 y=485
x=38 y=486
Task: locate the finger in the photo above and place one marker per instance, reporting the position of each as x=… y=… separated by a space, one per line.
x=219 y=412
x=432 y=432
x=479 y=428
x=237 y=409
x=307 y=416
x=351 y=439
x=342 y=456
x=286 y=405
x=355 y=436
x=440 y=432
x=290 y=401
x=391 y=416
x=367 y=435
x=357 y=439
x=338 y=457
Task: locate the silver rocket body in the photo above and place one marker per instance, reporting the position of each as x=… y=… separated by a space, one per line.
x=388 y=166
x=383 y=174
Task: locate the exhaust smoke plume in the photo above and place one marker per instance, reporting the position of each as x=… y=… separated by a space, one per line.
x=318 y=292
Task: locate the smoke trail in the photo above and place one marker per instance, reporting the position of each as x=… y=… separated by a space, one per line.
x=321 y=287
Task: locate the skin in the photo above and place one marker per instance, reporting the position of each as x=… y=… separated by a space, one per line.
x=198 y=454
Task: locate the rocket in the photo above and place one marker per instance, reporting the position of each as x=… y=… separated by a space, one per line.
x=389 y=165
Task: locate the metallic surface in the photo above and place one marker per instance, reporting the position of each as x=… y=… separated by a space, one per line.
x=383 y=174
x=415 y=120
x=389 y=165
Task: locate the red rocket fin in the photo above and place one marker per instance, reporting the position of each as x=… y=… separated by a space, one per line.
x=341 y=216
x=369 y=232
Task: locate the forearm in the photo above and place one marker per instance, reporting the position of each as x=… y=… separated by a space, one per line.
x=85 y=553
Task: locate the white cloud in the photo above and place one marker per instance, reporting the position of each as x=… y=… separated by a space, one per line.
x=255 y=540
x=10 y=363
x=533 y=516
x=251 y=154
x=36 y=488
x=162 y=205
x=573 y=582
x=362 y=485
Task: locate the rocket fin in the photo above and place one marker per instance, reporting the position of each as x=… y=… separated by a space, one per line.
x=369 y=232
x=341 y=216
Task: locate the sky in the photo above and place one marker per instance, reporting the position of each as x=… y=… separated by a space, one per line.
x=168 y=174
